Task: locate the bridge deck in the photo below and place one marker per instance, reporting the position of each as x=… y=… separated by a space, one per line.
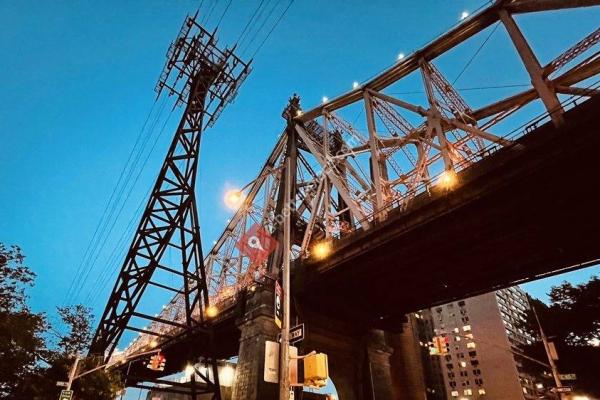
x=521 y=213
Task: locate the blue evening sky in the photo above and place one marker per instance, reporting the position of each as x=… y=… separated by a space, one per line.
x=77 y=86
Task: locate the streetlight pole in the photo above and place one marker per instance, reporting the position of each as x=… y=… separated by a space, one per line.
x=284 y=363
x=553 y=367
x=73 y=372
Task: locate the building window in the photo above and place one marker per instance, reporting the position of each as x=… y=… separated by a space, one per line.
x=481 y=391
x=449 y=366
x=456 y=330
x=473 y=363
x=468 y=392
x=457 y=338
x=525 y=390
x=454 y=393
x=473 y=353
x=467 y=328
x=476 y=372
x=463 y=364
x=461 y=303
x=471 y=345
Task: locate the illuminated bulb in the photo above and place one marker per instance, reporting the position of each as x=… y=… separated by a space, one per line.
x=355 y=85
x=226 y=376
x=321 y=250
x=448 y=179
x=464 y=15
x=325 y=99
x=234 y=198
x=298 y=113
x=189 y=370
x=153 y=343
x=212 y=311
x=400 y=56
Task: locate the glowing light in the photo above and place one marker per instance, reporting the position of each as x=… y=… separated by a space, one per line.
x=539 y=385
x=234 y=199
x=580 y=398
x=298 y=113
x=401 y=56
x=325 y=99
x=595 y=342
x=226 y=376
x=153 y=343
x=321 y=250
x=355 y=85
x=448 y=179
x=464 y=15
x=189 y=370
x=212 y=311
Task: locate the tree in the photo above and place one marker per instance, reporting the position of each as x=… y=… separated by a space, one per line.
x=98 y=385
x=571 y=320
x=29 y=369
x=22 y=343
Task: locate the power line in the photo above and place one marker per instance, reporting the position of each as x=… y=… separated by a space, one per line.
x=258 y=18
x=105 y=214
x=250 y=20
x=273 y=28
x=224 y=12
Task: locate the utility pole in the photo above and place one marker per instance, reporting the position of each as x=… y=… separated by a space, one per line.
x=551 y=362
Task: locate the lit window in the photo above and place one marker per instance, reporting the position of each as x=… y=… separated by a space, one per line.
x=467 y=328
x=470 y=345
x=457 y=338
x=539 y=385
x=454 y=393
x=525 y=390
x=481 y=391
x=463 y=364
x=468 y=392
x=456 y=330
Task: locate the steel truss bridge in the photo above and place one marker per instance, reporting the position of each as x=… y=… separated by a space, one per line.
x=435 y=200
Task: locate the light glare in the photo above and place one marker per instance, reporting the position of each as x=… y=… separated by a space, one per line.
x=325 y=99
x=233 y=198
x=448 y=179
x=355 y=85
x=321 y=250
x=400 y=56
x=464 y=15
x=212 y=311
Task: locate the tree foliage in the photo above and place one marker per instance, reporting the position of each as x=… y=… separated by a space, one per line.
x=30 y=366
x=571 y=320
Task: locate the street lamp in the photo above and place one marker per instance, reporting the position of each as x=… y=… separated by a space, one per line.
x=234 y=198
x=448 y=179
x=212 y=311
x=321 y=250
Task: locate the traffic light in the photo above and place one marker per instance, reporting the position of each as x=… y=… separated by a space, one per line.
x=316 y=370
x=157 y=362
x=439 y=346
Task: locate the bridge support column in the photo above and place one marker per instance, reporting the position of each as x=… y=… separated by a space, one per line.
x=377 y=368
x=257 y=326
x=408 y=376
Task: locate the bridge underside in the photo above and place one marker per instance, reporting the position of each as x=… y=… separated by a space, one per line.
x=521 y=213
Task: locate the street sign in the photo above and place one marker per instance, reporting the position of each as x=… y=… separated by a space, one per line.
x=62 y=384
x=66 y=395
x=562 y=389
x=568 y=377
x=278 y=306
x=297 y=333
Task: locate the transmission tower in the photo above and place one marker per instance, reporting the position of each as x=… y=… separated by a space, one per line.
x=203 y=79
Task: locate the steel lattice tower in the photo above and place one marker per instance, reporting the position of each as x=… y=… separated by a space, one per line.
x=204 y=79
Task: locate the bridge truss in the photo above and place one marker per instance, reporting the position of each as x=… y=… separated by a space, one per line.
x=347 y=178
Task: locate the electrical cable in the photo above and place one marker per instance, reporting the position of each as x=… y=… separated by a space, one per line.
x=273 y=28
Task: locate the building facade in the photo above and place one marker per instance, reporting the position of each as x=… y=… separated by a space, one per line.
x=483 y=337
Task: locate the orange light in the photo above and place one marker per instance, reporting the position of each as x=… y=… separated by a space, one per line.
x=321 y=250
x=212 y=311
x=234 y=198
x=153 y=343
x=448 y=179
